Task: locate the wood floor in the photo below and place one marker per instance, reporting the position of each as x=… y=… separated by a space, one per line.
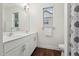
x=46 y=52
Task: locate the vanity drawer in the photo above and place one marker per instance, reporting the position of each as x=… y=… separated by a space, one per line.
x=12 y=44
x=18 y=51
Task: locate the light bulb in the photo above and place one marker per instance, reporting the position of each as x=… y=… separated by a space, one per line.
x=27 y=5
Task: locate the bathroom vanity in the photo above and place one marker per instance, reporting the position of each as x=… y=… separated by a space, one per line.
x=21 y=44
x=16 y=42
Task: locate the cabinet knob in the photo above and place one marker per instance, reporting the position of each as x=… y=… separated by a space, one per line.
x=23 y=48
x=35 y=39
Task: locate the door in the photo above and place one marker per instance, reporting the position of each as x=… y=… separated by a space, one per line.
x=1 y=42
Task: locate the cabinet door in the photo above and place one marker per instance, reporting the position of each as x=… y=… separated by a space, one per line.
x=27 y=50
x=18 y=51
x=32 y=44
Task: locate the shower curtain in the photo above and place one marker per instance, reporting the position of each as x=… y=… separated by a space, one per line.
x=74 y=39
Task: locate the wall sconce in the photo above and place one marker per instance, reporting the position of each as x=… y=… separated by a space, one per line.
x=25 y=6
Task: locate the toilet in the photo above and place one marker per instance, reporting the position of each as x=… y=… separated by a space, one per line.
x=61 y=47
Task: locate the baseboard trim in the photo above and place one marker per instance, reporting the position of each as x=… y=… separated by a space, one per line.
x=48 y=47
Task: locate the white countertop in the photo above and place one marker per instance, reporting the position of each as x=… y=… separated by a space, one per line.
x=15 y=35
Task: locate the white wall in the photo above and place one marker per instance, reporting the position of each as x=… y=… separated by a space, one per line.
x=36 y=20
x=1 y=40
x=11 y=8
x=35 y=17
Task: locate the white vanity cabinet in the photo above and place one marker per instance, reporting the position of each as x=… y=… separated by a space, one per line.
x=23 y=46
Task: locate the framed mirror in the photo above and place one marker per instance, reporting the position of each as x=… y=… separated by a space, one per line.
x=15 y=18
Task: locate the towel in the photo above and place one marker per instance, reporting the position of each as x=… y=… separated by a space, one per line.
x=48 y=31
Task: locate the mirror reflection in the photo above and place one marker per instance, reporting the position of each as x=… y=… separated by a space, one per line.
x=15 y=17
x=47 y=17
